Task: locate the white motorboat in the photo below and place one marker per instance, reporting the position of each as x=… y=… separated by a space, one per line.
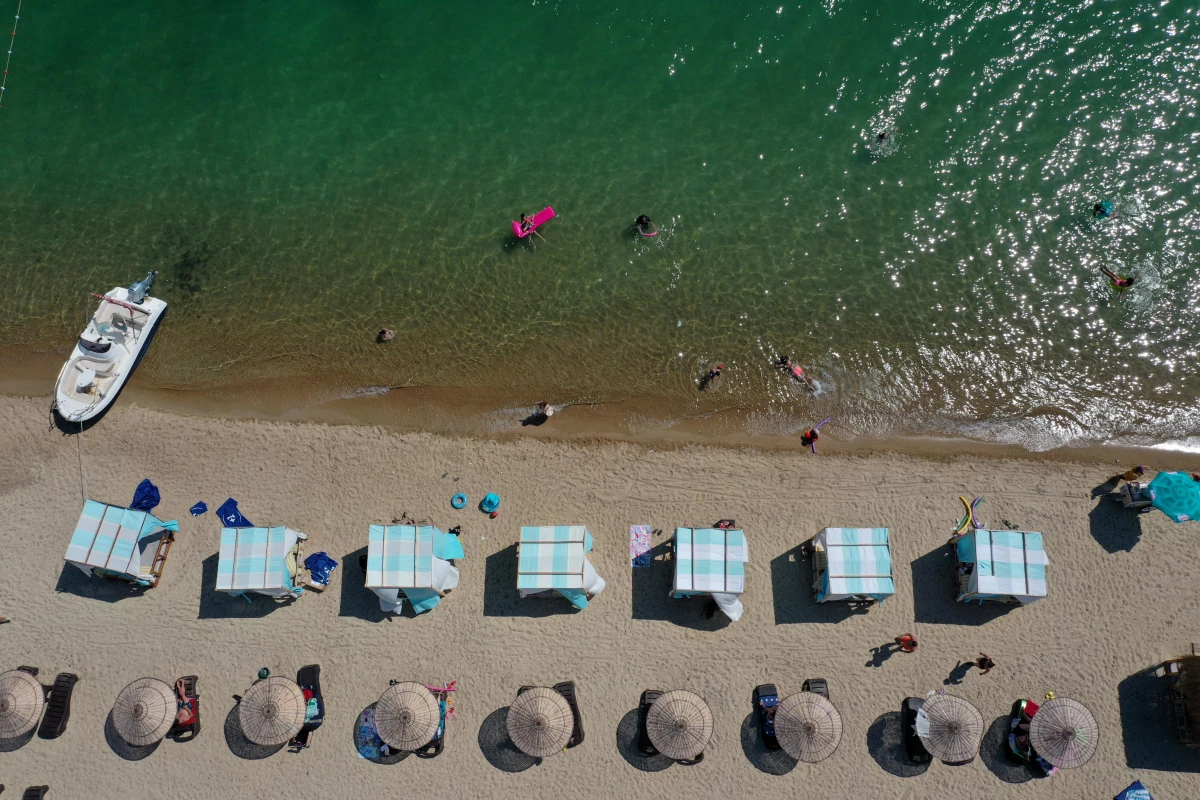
x=108 y=351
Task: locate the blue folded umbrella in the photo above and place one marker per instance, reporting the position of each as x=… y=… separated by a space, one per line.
x=231 y=517
x=320 y=566
x=146 y=496
x=1135 y=792
x=199 y=508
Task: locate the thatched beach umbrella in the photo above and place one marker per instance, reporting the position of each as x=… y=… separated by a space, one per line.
x=807 y=726
x=144 y=711
x=679 y=725
x=407 y=716
x=22 y=697
x=950 y=728
x=272 y=711
x=1064 y=733
x=540 y=722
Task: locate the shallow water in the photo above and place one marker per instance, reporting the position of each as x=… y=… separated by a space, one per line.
x=303 y=174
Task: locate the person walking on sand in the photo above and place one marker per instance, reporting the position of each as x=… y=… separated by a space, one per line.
x=907 y=642
x=984 y=663
x=1129 y=475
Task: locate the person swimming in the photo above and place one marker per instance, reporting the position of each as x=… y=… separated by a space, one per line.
x=884 y=134
x=1102 y=209
x=645 y=227
x=787 y=365
x=1119 y=282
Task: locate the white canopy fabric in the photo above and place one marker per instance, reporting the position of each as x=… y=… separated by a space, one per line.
x=114 y=538
x=258 y=560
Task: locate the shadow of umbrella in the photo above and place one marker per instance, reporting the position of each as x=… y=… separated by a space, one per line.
x=627 y=739
x=995 y=754
x=366 y=740
x=123 y=748
x=242 y=747
x=885 y=743
x=16 y=743
x=497 y=748
x=772 y=762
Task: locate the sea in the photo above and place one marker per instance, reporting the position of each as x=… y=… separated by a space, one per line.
x=303 y=174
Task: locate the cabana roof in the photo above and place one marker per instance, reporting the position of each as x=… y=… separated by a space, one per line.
x=857 y=562
x=1007 y=564
x=552 y=557
x=255 y=559
x=402 y=556
x=107 y=537
x=710 y=560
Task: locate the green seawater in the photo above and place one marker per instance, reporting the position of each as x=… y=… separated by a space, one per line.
x=306 y=173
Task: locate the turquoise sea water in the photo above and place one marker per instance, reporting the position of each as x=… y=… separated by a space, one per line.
x=304 y=173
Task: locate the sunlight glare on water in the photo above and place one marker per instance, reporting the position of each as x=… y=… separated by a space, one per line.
x=304 y=174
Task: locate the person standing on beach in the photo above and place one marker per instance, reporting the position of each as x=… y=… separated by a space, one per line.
x=907 y=642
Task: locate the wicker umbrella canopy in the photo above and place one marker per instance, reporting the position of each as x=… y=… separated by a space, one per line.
x=407 y=716
x=144 y=711
x=955 y=728
x=807 y=726
x=679 y=724
x=272 y=711
x=1064 y=733
x=22 y=697
x=540 y=722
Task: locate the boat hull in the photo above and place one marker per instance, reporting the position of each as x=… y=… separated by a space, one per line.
x=126 y=331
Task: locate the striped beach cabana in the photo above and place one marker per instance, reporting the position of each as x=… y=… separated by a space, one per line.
x=852 y=564
x=260 y=561
x=711 y=561
x=553 y=558
x=115 y=542
x=1004 y=566
x=413 y=562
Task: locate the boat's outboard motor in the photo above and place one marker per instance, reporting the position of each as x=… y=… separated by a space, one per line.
x=138 y=290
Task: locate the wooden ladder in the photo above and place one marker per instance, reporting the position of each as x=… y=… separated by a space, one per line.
x=160 y=556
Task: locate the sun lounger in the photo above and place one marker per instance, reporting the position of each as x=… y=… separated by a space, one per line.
x=58 y=706
x=31 y=670
x=435 y=747
x=186 y=731
x=766 y=696
x=913 y=747
x=309 y=678
x=817 y=686
x=645 y=746
x=567 y=690
x=35 y=793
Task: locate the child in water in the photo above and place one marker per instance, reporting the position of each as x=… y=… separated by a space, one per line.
x=1102 y=209
x=645 y=227
x=1119 y=282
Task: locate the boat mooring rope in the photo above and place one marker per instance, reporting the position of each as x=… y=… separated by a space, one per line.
x=12 y=40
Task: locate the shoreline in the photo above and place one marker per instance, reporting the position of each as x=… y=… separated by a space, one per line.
x=498 y=414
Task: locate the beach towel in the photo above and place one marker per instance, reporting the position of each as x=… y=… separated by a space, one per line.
x=231 y=517
x=367 y=740
x=639 y=546
x=199 y=508
x=145 y=497
x=320 y=566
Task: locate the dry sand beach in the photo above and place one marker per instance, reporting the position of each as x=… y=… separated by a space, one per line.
x=1122 y=598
